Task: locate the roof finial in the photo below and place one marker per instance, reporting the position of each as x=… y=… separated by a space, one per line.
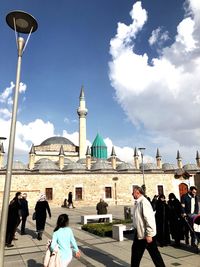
x=1 y=148
x=136 y=152
x=113 y=154
x=61 y=153
x=158 y=153
x=32 y=151
x=82 y=95
x=88 y=152
x=178 y=155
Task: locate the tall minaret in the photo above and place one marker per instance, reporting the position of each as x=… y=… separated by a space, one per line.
x=82 y=112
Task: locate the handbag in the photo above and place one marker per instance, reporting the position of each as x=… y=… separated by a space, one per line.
x=51 y=259
x=34 y=216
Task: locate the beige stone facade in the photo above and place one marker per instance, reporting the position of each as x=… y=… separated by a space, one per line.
x=92 y=185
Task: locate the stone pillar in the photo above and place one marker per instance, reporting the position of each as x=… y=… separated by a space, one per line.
x=158 y=159
x=32 y=158
x=198 y=159
x=113 y=158
x=179 y=160
x=136 y=159
x=61 y=158
x=88 y=158
x=1 y=159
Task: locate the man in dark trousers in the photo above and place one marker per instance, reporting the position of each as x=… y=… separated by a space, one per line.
x=190 y=207
x=145 y=230
x=24 y=212
x=102 y=208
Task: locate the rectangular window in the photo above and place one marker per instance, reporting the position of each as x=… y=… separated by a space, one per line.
x=160 y=189
x=49 y=193
x=78 y=193
x=108 y=192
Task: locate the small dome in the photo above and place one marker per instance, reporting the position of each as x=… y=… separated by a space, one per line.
x=18 y=165
x=56 y=140
x=67 y=161
x=117 y=160
x=124 y=166
x=73 y=166
x=168 y=166
x=101 y=164
x=190 y=167
x=81 y=161
x=149 y=166
x=45 y=164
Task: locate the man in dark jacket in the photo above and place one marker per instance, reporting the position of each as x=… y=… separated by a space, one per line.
x=190 y=207
x=24 y=212
x=101 y=208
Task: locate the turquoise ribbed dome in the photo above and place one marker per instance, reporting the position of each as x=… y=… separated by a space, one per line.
x=99 y=148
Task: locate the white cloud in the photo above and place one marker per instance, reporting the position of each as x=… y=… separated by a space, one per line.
x=162 y=97
x=6 y=93
x=5 y=97
x=158 y=37
x=5 y=113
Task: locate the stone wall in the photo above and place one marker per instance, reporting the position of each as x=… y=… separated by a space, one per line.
x=92 y=184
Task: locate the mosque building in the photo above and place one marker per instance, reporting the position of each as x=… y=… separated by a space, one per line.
x=57 y=167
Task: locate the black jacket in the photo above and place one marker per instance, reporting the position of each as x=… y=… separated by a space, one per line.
x=186 y=204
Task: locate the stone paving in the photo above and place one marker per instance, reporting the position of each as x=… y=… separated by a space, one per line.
x=95 y=251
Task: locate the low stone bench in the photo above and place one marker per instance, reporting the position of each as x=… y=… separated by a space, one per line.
x=85 y=218
x=118 y=231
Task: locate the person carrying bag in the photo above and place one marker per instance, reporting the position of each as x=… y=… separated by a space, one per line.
x=63 y=239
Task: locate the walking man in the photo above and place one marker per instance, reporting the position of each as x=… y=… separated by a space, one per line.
x=24 y=212
x=145 y=230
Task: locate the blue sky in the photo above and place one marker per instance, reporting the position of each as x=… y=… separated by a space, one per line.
x=137 y=60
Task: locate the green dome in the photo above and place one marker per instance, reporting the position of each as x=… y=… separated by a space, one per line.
x=99 y=148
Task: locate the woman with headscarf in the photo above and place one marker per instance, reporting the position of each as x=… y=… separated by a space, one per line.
x=162 y=217
x=14 y=214
x=175 y=219
x=41 y=209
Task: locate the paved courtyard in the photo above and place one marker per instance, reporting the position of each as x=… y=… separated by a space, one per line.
x=95 y=251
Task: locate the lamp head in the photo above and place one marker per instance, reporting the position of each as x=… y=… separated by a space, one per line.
x=21 y=22
x=141 y=149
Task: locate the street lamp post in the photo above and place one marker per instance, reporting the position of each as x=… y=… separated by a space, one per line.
x=142 y=149
x=20 y=22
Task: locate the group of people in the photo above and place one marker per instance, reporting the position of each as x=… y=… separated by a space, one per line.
x=68 y=203
x=174 y=217
x=17 y=213
x=153 y=223
x=155 y=220
x=62 y=236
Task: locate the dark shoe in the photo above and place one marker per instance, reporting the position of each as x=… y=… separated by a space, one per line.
x=9 y=245
x=39 y=236
x=23 y=233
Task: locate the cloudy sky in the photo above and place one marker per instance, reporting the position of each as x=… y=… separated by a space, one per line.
x=139 y=63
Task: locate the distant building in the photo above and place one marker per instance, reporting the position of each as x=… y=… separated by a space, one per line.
x=58 y=167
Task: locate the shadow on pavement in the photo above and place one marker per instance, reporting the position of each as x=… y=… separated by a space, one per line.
x=29 y=232
x=33 y=263
x=104 y=259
